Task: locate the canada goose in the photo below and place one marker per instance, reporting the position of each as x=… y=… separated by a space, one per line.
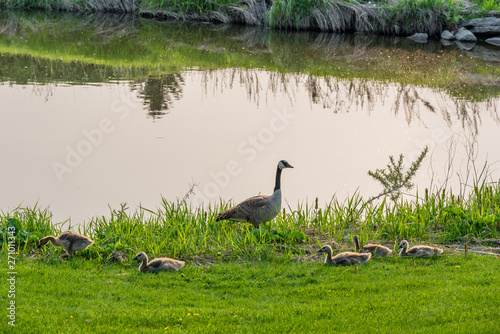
x=418 y=251
x=345 y=258
x=70 y=241
x=159 y=264
x=258 y=209
x=374 y=249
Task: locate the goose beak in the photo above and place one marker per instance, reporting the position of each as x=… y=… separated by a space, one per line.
x=287 y=165
x=134 y=259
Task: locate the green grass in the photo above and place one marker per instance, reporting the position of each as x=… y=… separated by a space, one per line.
x=487 y=5
x=451 y=294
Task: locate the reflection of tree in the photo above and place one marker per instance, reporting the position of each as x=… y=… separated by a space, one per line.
x=160 y=92
x=347 y=95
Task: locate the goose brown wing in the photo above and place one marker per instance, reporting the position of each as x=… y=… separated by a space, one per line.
x=156 y=263
x=419 y=251
x=69 y=236
x=244 y=209
x=343 y=261
x=72 y=237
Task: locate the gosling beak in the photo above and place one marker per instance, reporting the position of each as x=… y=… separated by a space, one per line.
x=134 y=259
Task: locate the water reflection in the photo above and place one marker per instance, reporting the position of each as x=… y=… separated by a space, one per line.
x=159 y=93
x=340 y=72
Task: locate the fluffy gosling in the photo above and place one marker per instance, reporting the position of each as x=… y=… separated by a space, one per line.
x=71 y=242
x=345 y=258
x=159 y=264
x=418 y=251
x=374 y=249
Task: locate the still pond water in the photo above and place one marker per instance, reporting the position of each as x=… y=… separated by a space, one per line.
x=96 y=111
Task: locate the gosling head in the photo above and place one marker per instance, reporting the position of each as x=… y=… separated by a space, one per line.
x=87 y=242
x=325 y=249
x=140 y=257
x=403 y=244
x=284 y=164
x=43 y=242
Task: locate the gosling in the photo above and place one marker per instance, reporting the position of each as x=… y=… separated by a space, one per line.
x=71 y=242
x=345 y=258
x=418 y=251
x=374 y=249
x=159 y=264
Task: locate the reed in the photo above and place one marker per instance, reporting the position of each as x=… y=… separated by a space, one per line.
x=400 y=17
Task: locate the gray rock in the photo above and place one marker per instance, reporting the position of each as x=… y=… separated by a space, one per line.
x=484 y=27
x=486 y=32
x=493 y=41
x=465 y=35
x=419 y=38
x=465 y=45
x=483 y=22
x=447 y=35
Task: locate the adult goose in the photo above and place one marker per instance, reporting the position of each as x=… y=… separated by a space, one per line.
x=71 y=242
x=374 y=249
x=345 y=258
x=258 y=209
x=159 y=264
x=418 y=251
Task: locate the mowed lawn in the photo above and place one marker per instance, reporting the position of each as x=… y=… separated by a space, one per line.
x=451 y=294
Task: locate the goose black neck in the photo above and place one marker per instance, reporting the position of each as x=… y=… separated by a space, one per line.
x=277 y=186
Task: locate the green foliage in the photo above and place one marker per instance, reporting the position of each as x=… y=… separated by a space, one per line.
x=486 y=6
x=400 y=17
x=289 y=237
x=395 y=178
x=294 y=14
x=430 y=16
x=26 y=225
x=188 y=7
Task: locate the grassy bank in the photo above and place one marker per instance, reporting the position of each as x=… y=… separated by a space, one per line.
x=452 y=294
x=400 y=17
x=243 y=280
x=192 y=233
x=238 y=279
